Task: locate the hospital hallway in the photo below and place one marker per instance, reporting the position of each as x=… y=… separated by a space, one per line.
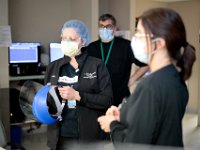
x=36 y=139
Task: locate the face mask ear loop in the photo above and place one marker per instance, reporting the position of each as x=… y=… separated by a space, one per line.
x=155 y=44
x=154 y=50
x=155 y=47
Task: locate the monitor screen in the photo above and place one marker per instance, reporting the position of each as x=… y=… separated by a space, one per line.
x=24 y=53
x=55 y=51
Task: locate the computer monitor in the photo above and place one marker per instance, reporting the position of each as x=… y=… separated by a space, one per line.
x=55 y=51
x=20 y=53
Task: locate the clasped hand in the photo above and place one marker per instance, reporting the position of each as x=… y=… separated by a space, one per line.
x=68 y=93
x=112 y=114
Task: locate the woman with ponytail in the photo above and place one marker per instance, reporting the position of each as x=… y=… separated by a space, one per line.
x=153 y=113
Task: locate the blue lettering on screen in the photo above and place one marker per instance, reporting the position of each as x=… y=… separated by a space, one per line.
x=55 y=51
x=23 y=53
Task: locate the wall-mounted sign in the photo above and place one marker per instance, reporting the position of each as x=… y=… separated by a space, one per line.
x=5 y=36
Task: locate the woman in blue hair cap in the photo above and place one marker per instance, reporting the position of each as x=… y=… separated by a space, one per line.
x=82 y=84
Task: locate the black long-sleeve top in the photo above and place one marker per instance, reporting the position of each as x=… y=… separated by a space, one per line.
x=95 y=89
x=119 y=64
x=153 y=114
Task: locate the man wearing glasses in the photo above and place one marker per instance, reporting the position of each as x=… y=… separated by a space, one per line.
x=117 y=54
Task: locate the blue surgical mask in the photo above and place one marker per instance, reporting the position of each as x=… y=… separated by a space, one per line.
x=106 y=35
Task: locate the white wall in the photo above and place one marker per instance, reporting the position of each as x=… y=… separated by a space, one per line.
x=125 y=11
x=42 y=20
x=137 y=7
x=88 y=12
x=38 y=21
x=120 y=9
x=103 y=7
x=142 y=5
x=190 y=12
x=4 y=77
x=4 y=50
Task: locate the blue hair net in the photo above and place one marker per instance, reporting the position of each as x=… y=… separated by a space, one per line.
x=80 y=28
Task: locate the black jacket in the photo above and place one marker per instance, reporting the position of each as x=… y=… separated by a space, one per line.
x=95 y=91
x=119 y=64
x=153 y=113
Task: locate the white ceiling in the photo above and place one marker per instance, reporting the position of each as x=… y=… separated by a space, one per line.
x=170 y=1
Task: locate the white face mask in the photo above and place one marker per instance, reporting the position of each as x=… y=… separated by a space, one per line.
x=70 y=48
x=139 y=49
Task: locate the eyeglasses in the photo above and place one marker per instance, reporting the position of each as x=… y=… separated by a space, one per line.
x=109 y=26
x=139 y=35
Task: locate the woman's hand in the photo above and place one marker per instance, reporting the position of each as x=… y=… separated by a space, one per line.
x=105 y=122
x=114 y=111
x=69 y=93
x=112 y=114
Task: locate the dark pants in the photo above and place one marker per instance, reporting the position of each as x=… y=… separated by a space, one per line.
x=65 y=143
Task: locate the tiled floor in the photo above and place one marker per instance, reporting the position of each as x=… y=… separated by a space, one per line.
x=36 y=140
x=191 y=132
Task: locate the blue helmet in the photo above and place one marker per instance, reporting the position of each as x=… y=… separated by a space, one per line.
x=40 y=108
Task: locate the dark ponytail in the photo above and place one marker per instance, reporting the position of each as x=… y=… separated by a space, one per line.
x=186 y=61
x=167 y=24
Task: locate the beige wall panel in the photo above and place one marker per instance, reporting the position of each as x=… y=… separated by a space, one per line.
x=190 y=12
